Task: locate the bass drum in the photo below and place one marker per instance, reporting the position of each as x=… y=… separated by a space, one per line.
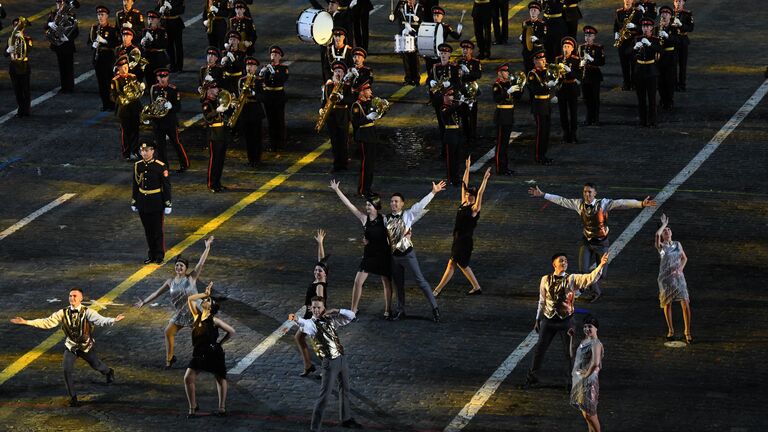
x=429 y=38
x=315 y=26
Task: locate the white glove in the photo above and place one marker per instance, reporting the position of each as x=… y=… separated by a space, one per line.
x=372 y=116
x=641 y=8
x=631 y=25
x=247 y=43
x=353 y=3
x=464 y=69
x=167 y=210
x=355 y=72
x=100 y=39
x=534 y=39
x=520 y=38
x=52 y=25
x=645 y=42
x=638 y=45
x=134 y=209
x=127 y=25
x=578 y=82
x=231 y=56
x=588 y=57
x=415 y=18
x=226 y=46
x=270 y=69
x=391 y=17
x=551 y=84
x=224 y=60
x=514 y=89
x=167 y=4
x=677 y=23
x=205 y=23
x=221 y=109
x=145 y=39
x=459 y=28
x=214 y=9
x=95 y=45
x=432 y=83
x=407 y=29
x=583 y=63
x=261 y=72
x=663 y=34
x=208 y=77
x=616 y=36
x=149 y=36
x=554 y=99
x=168 y=105
x=566 y=68
x=163 y=8
x=143 y=86
x=348 y=76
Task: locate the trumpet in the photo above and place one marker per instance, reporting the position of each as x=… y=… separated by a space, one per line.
x=156 y=109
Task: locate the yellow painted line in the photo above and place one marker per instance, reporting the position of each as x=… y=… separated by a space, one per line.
x=32 y=18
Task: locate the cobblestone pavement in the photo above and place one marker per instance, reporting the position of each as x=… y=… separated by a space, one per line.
x=413 y=375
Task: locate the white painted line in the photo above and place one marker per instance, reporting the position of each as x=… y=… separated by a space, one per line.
x=261 y=348
x=489 y=388
x=20 y=224
x=375 y=8
x=491 y=153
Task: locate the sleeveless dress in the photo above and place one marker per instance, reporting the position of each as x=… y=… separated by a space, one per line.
x=311 y=292
x=179 y=292
x=376 y=254
x=672 y=287
x=585 y=390
x=463 y=230
x=207 y=355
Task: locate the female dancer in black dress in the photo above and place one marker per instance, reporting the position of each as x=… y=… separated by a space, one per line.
x=377 y=253
x=207 y=354
x=464 y=228
x=318 y=288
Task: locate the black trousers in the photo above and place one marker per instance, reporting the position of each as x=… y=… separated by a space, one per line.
x=573 y=28
x=548 y=329
x=338 y=131
x=367 y=165
x=175 y=29
x=646 y=100
x=153 y=231
x=682 y=62
x=65 y=55
x=103 y=68
x=274 y=106
x=590 y=253
x=543 y=123
x=568 y=103
x=503 y=133
x=667 y=81
x=437 y=106
x=556 y=31
x=360 y=27
x=428 y=63
x=250 y=130
x=69 y=366
x=20 y=82
x=162 y=134
x=501 y=21
x=217 y=149
x=481 y=19
x=591 y=93
x=218 y=36
x=625 y=59
x=454 y=155
x=129 y=128
x=411 y=68
x=469 y=122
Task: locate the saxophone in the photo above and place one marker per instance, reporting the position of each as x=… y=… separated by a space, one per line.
x=210 y=15
x=330 y=102
x=241 y=100
x=625 y=33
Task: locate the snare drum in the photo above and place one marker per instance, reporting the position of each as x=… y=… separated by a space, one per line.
x=315 y=26
x=405 y=44
x=429 y=38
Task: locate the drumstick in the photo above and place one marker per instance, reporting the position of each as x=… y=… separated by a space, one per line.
x=461 y=20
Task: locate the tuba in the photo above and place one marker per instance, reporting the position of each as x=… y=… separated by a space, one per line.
x=381 y=106
x=16 y=42
x=66 y=24
x=156 y=109
x=135 y=59
x=131 y=91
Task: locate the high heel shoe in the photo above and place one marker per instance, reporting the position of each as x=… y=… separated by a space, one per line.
x=689 y=339
x=170 y=362
x=671 y=337
x=308 y=371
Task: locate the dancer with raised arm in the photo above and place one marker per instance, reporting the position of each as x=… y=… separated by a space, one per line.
x=376 y=254
x=179 y=287
x=463 y=231
x=585 y=384
x=594 y=217
x=77 y=323
x=318 y=288
x=672 y=285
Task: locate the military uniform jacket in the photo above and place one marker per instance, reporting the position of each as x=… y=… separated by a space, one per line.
x=592 y=72
x=215 y=71
x=650 y=10
x=505 y=103
x=133 y=16
x=177 y=9
x=537 y=85
x=363 y=127
x=645 y=58
x=553 y=8
x=571 y=10
x=124 y=51
x=214 y=120
x=450 y=115
x=569 y=83
x=405 y=14
x=669 y=46
x=159 y=42
x=364 y=74
x=236 y=67
x=475 y=69
x=254 y=96
x=686 y=18
x=151 y=188
x=247 y=31
x=274 y=82
x=106 y=50
x=446 y=72
x=618 y=24
x=171 y=94
x=340 y=113
x=343 y=54
x=449 y=31
x=223 y=12
x=539 y=30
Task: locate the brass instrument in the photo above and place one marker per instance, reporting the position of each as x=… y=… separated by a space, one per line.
x=17 y=42
x=65 y=25
x=210 y=17
x=131 y=91
x=330 y=101
x=247 y=84
x=625 y=33
x=156 y=109
x=556 y=72
x=521 y=79
x=225 y=99
x=381 y=106
x=135 y=59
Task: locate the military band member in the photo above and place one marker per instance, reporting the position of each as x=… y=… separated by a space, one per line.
x=533 y=34
x=337 y=51
x=410 y=14
x=470 y=71
x=275 y=75
x=126 y=90
x=505 y=94
x=572 y=15
x=249 y=122
x=243 y=25
x=647 y=9
x=233 y=62
x=129 y=17
x=218 y=135
x=361 y=72
x=170 y=14
x=215 y=16
x=557 y=28
x=364 y=118
x=64 y=46
x=104 y=38
x=168 y=125
x=18 y=67
x=592 y=57
x=154 y=42
x=482 y=14
x=625 y=51
x=133 y=52
x=438 y=13
x=683 y=20
x=541 y=105
x=452 y=137
x=646 y=73
x=152 y=200
x=341 y=12
x=360 y=13
x=337 y=123
x=668 y=38
x=446 y=75
x=212 y=71
x=568 y=95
